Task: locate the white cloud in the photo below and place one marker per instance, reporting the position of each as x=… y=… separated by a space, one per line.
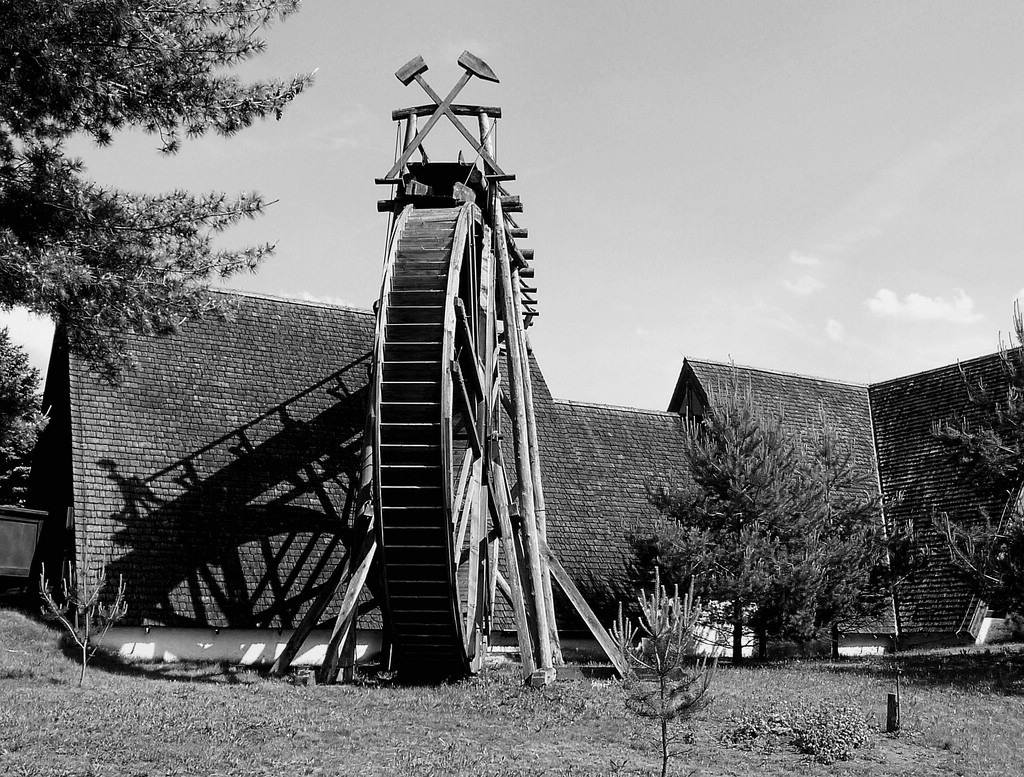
x=959 y=309
x=33 y=333
x=805 y=284
x=805 y=260
x=835 y=331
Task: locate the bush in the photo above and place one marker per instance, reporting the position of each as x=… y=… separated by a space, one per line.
x=827 y=732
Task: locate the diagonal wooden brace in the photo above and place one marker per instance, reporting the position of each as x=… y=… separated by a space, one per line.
x=477 y=145
x=443 y=106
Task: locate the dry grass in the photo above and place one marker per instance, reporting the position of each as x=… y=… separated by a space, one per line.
x=962 y=713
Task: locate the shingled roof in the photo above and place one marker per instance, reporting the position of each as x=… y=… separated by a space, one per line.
x=919 y=478
x=219 y=477
x=599 y=464
x=799 y=398
x=801 y=401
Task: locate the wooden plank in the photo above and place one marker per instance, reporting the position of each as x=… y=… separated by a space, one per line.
x=499 y=503
x=464 y=472
x=465 y=333
x=503 y=586
x=482 y=148
x=477 y=538
x=467 y=406
x=524 y=470
x=465 y=514
x=459 y=110
x=440 y=110
x=540 y=510
x=601 y=634
x=331 y=588
x=328 y=671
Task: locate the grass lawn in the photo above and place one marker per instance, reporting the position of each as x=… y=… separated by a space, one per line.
x=963 y=713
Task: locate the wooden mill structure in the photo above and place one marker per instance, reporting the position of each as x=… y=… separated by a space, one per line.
x=447 y=523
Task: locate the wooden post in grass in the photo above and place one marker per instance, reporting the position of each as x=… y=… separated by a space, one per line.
x=892 y=714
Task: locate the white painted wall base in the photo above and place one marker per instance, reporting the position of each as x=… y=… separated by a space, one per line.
x=247 y=647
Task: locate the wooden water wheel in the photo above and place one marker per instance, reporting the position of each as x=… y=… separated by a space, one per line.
x=440 y=502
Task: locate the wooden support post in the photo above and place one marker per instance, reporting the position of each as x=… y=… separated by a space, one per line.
x=346 y=621
x=540 y=509
x=410 y=133
x=309 y=621
x=892 y=714
x=477 y=538
x=499 y=502
x=337 y=580
x=524 y=471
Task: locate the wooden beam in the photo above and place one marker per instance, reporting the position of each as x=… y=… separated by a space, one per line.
x=466 y=336
x=467 y=406
x=511 y=203
x=445 y=107
x=328 y=671
x=477 y=538
x=309 y=621
x=439 y=111
x=600 y=633
x=458 y=110
x=499 y=503
x=517 y=386
x=540 y=511
x=503 y=586
x=521 y=232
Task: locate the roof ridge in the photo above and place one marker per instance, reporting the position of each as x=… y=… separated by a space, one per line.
x=291 y=300
x=606 y=406
x=957 y=364
x=779 y=372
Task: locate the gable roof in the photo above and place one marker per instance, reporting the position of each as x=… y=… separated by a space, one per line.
x=220 y=476
x=800 y=399
x=918 y=477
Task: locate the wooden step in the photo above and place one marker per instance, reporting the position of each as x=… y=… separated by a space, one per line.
x=414 y=333
x=412 y=352
x=420 y=496
x=412 y=371
x=417 y=282
x=417 y=298
x=418 y=314
x=410 y=475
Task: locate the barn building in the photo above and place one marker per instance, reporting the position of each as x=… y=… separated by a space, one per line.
x=220 y=478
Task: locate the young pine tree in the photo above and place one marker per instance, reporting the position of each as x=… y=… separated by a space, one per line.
x=784 y=531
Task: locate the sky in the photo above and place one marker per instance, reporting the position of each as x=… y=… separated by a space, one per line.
x=831 y=189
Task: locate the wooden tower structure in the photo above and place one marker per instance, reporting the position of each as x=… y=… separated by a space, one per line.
x=447 y=522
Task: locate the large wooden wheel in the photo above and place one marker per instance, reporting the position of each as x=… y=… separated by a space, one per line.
x=428 y=426
x=442 y=498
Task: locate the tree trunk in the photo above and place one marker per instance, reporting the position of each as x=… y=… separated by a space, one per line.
x=835 y=642
x=737 y=633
